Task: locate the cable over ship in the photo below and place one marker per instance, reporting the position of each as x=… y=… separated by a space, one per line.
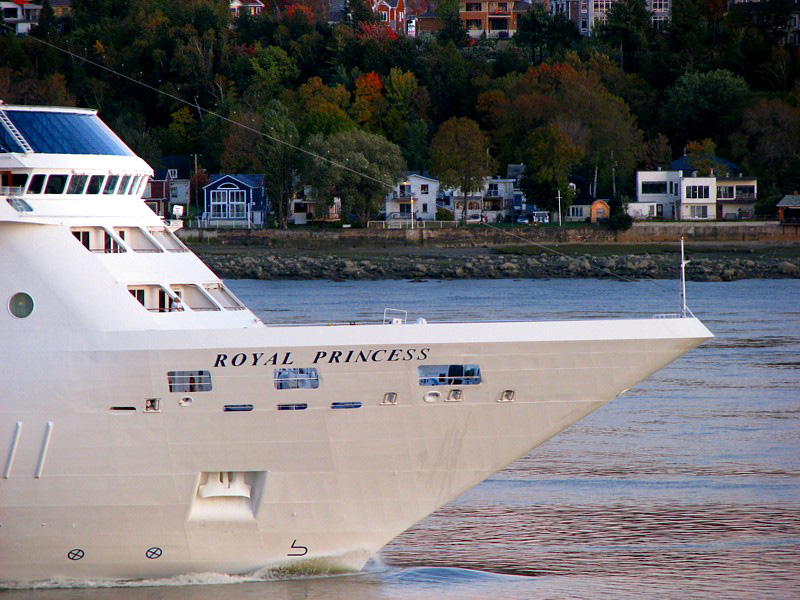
x=151 y=425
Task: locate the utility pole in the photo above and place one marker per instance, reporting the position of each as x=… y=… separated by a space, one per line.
x=559 y=207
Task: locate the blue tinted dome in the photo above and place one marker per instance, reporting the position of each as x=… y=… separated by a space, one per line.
x=51 y=132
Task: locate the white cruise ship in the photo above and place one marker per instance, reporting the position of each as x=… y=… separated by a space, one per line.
x=151 y=425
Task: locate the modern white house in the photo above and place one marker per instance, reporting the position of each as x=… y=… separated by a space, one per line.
x=686 y=196
x=416 y=196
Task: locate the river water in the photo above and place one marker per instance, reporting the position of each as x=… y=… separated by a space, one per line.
x=687 y=486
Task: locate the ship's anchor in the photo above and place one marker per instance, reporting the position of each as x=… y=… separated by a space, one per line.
x=303 y=548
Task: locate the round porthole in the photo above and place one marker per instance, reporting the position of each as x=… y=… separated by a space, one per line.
x=432 y=397
x=21 y=305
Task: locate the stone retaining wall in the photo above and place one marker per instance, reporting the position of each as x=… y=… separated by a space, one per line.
x=461 y=237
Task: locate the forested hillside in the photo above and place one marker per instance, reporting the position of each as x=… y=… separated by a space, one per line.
x=626 y=98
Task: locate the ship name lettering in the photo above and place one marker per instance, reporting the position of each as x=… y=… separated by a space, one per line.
x=380 y=355
x=237 y=360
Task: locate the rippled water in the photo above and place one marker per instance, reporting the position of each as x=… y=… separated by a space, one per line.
x=689 y=485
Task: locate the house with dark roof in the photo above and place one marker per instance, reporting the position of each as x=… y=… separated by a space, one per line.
x=789 y=208
x=234 y=200
x=169 y=187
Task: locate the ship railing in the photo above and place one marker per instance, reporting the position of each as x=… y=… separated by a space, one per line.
x=394 y=316
x=10 y=191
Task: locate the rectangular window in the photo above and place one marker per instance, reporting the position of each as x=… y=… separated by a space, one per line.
x=424 y=207
x=189 y=381
x=219 y=204
x=698 y=212
x=654 y=187
x=725 y=192
x=492 y=191
x=295 y=378
x=423 y=189
x=95 y=183
x=473 y=7
x=299 y=208
x=575 y=211
x=83 y=238
x=237 y=204
x=111 y=184
x=77 y=184
x=449 y=374
x=697 y=192
x=37 y=184
x=745 y=191
x=55 y=184
x=474 y=24
x=138 y=293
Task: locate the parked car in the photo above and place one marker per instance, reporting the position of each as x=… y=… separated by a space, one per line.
x=522 y=220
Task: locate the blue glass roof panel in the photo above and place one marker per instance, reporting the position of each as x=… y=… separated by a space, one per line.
x=8 y=143
x=66 y=133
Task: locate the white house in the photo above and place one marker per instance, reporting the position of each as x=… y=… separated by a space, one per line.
x=686 y=196
x=416 y=195
x=20 y=14
x=304 y=209
x=495 y=201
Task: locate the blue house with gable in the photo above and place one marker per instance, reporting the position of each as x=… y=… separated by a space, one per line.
x=235 y=200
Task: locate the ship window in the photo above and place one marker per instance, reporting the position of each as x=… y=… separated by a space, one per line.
x=137 y=239
x=223 y=297
x=95 y=183
x=168 y=239
x=111 y=184
x=37 y=184
x=138 y=293
x=449 y=374
x=77 y=184
x=123 y=186
x=134 y=183
x=194 y=297
x=84 y=238
x=21 y=305
x=55 y=184
x=298 y=406
x=336 y=405
x=296 y=378
x=189 y=381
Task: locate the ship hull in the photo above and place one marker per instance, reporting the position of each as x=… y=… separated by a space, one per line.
x=96 y=486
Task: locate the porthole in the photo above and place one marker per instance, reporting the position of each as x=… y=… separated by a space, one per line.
x=21 y=305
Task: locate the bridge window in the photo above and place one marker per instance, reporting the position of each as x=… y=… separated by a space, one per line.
x=296 y=378
x=55 y=184
x=449 y=374
x=37 y=184
x=111 y=184
x=95 y=183
x=77 y=184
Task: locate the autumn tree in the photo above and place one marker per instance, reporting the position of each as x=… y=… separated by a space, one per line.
x=702 y=157
x=368 y=103
x=551 y=158
x=460 y=157
x=279 y=155
x=357 y=166
x=318 y=108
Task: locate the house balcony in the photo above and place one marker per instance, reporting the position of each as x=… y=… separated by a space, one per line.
x=738 y=199
x=499 y=13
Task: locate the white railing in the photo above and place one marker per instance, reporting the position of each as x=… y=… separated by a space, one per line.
x=10 y=191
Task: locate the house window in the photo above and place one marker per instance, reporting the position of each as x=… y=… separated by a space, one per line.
x=745 y=191
x=383 y=16
x=296 y=378
x=77 y=184
x=405 y=209
x=405 y=191
x=299 y=207
x=492 y=191
x=473 y=7
x=449 y=375
x=698 y=212
x=219 y=204
x=654 y=187
x=575 y=211
x=474 y=24
x=423 y=189
x=189 y=381
x=725 y=192
x=237 y=201
x=697 y=191
x=173 y=173
x=424 y=207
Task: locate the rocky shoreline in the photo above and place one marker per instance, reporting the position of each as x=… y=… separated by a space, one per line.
x=266 y=264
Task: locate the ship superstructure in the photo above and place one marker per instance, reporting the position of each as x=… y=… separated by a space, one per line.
x=151 y=425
